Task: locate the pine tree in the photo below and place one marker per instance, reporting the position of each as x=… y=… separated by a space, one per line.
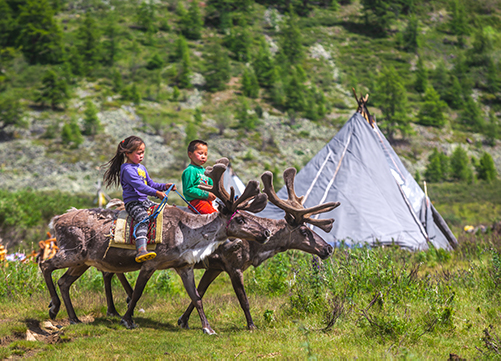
x=391 y=98
x=432 y=109
x=460 y=165
x=53 y=91
x=411 y=35
x=89 y=41
x=440 y=79
x=482 y=46
x=146 y=17
x=458 y=23
x=461 y=70
x=295 y=93
x=175 y=93
x=486 y=169
x=246 y=120
x=493 y=83
x=250 y=85
x=198 y=116
x=435 y=171
x=117 y=81
x=7 y=25
x=421 y=82
x=181 y=47
x=492 y=129
x=239 y=42
x=378 y=14
x=111 y=44
x=263 y=65
x=471 y=116
x=39 y=34
x=191 y=132
x=135 y=94
x=454 y=95
x=71 y=134
x=184 y=70
x=291 y=47
x=11 y=112
x=219 y=14
x=194 y=31
x=155 y=62
x=92 y=125
x=217 y=67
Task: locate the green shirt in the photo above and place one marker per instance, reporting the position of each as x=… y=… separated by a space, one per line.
x=192 y=177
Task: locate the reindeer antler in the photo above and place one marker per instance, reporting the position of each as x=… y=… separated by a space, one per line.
x=251 y=199
x=293 y=206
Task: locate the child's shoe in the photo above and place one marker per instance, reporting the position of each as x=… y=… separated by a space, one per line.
x=143 y=254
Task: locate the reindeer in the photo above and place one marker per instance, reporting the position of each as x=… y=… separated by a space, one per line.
x=288 y=233
x=187 y=239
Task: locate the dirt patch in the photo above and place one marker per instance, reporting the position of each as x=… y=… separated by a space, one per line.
x=48 y=332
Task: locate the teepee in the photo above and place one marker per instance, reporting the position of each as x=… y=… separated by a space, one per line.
x=381 y=203
x=230 y=179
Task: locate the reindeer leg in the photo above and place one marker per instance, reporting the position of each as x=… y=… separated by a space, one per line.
x=111 y=310
x=209 y=276
x=189 y=284
x=237 y=280
x=71 y=275
x=126 y=285
x=47 y=268
x=142 y=279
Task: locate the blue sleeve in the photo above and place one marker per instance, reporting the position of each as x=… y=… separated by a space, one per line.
x=157 y=186
x=137 y=183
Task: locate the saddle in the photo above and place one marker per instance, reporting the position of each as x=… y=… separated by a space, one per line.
x=122 y=230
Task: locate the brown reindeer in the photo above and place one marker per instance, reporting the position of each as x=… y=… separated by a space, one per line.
x=288 y=233
x=83 y=241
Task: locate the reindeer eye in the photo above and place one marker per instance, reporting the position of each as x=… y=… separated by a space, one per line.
x=239 y=220
x=304 y=231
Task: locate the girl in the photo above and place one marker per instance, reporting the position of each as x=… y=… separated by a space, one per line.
x=124 y=168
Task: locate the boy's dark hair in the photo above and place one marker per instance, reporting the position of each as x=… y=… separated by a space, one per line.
x=194 y=143
x=112 y=174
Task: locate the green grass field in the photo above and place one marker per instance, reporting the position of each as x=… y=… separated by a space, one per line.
x=360 y=303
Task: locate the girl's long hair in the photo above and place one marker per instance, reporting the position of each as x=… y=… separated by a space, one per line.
x=112 y=174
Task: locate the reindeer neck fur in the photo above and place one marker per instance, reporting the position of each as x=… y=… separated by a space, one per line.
x=197 y=236
x=278 y=242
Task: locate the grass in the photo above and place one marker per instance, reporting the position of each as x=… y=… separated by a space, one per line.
x=360 y=303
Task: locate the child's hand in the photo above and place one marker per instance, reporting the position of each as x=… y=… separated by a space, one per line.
x=160 y=195
x=211 y=197
x=167 y=185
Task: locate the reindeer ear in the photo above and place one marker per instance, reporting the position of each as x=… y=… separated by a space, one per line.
x=224 y=161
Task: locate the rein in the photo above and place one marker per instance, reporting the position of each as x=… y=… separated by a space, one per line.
x=229 y=220
x=157 y=210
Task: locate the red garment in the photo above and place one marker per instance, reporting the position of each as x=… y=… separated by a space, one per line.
x=203 y=206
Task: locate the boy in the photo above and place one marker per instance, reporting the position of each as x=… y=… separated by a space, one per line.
x=194 y=175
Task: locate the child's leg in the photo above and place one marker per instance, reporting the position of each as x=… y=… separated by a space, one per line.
x=202 y=206
x=138 y=211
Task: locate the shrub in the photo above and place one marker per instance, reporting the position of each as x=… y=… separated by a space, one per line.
x=486 y=169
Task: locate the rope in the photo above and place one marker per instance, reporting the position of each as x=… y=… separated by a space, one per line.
x=157 y=210
x=188 y=203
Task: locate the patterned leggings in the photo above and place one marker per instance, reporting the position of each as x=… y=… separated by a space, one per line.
x=138 y=211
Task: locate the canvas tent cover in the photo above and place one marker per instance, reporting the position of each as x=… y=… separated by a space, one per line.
x=381 y=203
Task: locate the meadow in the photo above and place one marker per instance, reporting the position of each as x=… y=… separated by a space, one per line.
x=359 y=303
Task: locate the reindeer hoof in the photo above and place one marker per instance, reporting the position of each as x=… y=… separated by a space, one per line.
x=53 y=311
x=183 y=324
x=252 y=327
x=128 y=324
x=209 y=331
x=112 y=314
x=75 y=321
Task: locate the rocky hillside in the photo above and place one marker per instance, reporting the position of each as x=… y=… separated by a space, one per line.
x=161 y=85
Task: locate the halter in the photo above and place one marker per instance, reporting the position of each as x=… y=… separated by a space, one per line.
x=229 y=220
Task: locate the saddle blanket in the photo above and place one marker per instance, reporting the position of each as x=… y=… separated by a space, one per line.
x=123 y=227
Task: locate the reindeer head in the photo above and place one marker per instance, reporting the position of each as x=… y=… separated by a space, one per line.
x=251 y=200
x=296 y=215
